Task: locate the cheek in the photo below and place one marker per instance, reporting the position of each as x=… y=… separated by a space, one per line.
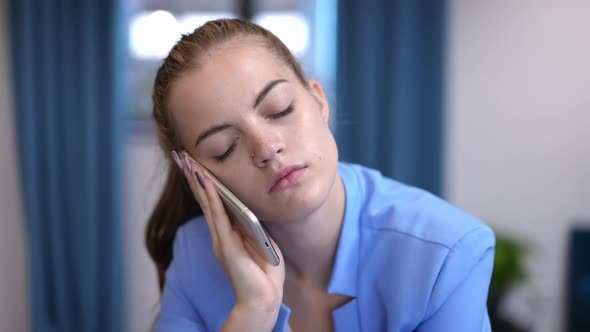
x=309 y=129
x=318 y=137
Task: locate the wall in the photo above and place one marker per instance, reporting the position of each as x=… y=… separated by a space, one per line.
x=144 y=165
x=518 y=131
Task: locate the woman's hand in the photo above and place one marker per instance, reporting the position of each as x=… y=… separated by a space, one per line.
x=258 y=285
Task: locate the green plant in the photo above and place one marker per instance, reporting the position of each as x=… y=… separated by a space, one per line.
x=509 y=265
x=509 y=270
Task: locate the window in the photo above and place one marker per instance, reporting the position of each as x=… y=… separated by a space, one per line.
x=306 y=27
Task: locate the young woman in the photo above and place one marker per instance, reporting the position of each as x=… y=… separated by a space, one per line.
x=358 y=251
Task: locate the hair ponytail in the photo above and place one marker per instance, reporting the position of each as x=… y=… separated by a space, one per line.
x=175 y=207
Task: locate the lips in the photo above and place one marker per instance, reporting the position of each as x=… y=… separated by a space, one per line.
x=286 y=176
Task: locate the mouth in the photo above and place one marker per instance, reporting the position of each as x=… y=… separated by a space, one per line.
x=286 y=177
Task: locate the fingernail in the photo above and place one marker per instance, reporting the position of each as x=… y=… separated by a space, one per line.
x=177 y=160
x=200 y=179
x=187 y=161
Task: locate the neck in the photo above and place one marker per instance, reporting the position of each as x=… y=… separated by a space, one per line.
x=309 y=245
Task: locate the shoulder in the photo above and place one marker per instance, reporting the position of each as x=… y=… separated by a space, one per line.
x=193 y=229
x=390 y=206
x=195 y=264
x=193 y=247
x=191 y=241
x=414 y=245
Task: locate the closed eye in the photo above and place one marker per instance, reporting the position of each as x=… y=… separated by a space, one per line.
x=227 y=153
x=286 y=112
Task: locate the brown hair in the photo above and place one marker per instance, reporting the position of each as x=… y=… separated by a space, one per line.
x=177 y=204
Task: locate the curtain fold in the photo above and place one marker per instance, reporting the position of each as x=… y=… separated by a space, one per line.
x=67 y=66
x=390 y=95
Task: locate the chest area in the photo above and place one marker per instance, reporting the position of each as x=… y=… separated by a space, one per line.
x=312 y=310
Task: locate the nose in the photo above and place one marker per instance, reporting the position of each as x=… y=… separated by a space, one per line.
x=267 y=145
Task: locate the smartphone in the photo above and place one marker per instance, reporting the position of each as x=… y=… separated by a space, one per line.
x=246 y=221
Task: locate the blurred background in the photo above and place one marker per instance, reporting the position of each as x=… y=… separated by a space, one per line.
x=485 y=103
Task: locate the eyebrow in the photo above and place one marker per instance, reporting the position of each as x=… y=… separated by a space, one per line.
x=211 y=131
x=266 y=90
x=257 y=101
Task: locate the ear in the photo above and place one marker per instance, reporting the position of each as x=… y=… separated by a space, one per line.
x=318 y=93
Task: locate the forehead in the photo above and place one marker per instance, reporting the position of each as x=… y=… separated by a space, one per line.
x=227 y=77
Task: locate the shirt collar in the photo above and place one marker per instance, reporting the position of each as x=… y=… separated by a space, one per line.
x=345 y=271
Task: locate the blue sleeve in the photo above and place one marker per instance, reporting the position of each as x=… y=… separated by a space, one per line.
x=459 y=297
x=176 y=312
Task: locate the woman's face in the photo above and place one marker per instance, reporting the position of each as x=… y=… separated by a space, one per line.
x=242 y=101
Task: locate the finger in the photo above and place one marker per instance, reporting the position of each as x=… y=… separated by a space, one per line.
x=199 y=192
x=197 y=184
x=176 y=159
x=210 y=215
x=221 y=218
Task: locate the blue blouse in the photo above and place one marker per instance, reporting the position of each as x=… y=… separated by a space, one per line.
x=409 y=260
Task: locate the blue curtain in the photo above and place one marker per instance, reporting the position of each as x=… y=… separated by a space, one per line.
x=70 y=122
x=389 y=83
